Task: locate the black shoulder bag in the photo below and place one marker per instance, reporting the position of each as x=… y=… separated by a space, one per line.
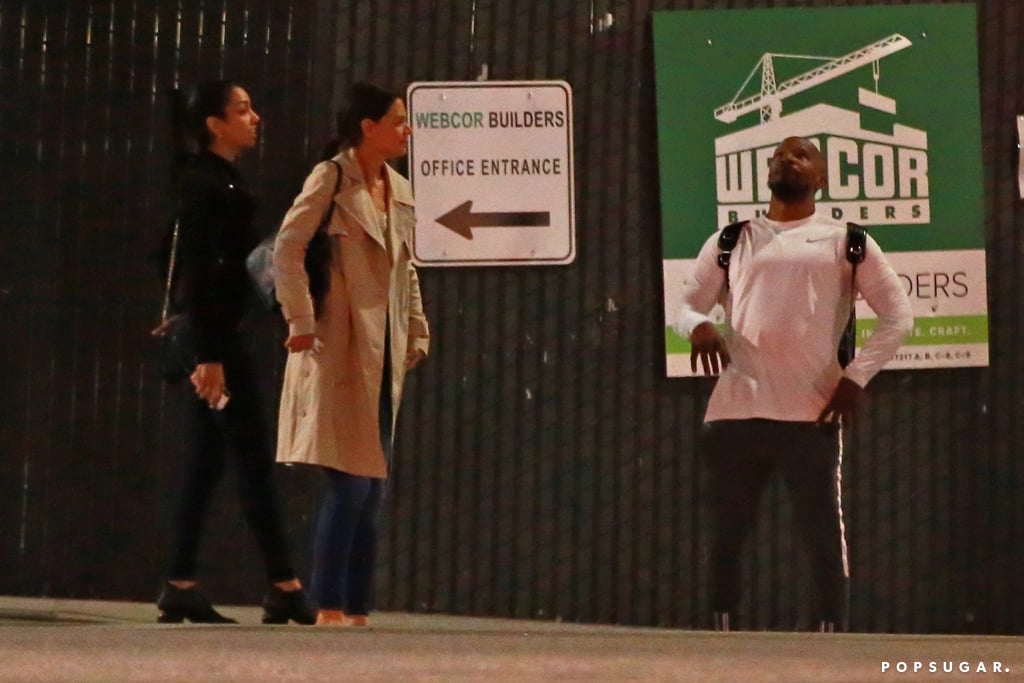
x=260 y=261
x=176 y=332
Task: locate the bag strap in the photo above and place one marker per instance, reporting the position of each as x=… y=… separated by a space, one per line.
x=856 y=249
x=727 y=239
x=172 y=262
x=330 y=203
x=856 y=243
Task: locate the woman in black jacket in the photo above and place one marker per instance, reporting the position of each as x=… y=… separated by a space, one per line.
x=211 y=286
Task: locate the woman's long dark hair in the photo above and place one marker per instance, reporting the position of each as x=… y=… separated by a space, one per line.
x=189 y=111
x=363 y=101
x=189 y=136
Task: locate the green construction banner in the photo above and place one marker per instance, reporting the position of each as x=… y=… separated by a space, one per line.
x=890 y=96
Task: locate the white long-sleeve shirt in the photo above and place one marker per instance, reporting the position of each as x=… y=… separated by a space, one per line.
x=786 y=306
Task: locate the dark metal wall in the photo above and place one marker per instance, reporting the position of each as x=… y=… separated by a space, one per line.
x=89 y=437
x=545 y=465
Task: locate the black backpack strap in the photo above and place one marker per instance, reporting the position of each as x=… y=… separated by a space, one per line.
x=856 y=243
x=856 y=246
x=727 y=239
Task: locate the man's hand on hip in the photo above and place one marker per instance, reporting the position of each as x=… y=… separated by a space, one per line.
x=843 y=401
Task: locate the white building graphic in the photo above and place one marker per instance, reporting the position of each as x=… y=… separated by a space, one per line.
x=875 y=177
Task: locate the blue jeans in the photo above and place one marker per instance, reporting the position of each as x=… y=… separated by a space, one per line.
x=345 y=545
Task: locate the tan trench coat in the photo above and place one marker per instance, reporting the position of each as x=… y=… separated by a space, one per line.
x=330 y=400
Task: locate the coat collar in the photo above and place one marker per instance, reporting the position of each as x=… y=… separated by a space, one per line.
x=354 y=198
x=400 y=190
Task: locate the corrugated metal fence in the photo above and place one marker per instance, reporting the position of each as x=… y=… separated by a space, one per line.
x=545 y=465
x=89 y=436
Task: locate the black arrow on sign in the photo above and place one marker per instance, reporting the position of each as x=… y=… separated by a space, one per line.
x=461 y=220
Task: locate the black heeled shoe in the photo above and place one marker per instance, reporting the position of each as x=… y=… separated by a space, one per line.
x=279 y=606
x=178 y=604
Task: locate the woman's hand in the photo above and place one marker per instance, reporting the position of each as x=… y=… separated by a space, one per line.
x=300 y=342
x=414 y=357
x=208 y=380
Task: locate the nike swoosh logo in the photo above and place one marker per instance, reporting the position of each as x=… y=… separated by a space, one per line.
x=818 y=239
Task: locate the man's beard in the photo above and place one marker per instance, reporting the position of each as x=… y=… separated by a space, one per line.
x=790 y=187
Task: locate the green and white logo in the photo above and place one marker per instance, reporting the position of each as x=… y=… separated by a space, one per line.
x=890 y=96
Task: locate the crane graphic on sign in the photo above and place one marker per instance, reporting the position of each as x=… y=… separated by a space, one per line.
x=769 y=100
x=877 y=166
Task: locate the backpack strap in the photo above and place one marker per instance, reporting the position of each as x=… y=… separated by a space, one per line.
x=727 y=239
x=856 y=243
x=856 y=246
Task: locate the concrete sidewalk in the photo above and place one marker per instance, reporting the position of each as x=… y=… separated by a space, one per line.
x=62 y=640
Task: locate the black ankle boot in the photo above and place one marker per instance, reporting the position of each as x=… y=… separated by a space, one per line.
x=279 y=606
x=178 y=604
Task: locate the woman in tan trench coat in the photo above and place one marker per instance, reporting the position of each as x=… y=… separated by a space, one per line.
x=343 y=381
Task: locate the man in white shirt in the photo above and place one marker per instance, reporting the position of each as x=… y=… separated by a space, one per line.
x=787 y=293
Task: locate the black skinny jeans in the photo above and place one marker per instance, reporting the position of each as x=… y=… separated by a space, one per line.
x=238 y=430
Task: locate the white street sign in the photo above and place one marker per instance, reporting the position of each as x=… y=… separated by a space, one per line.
x=491 y=165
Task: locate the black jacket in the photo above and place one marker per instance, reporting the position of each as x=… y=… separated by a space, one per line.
x=216 y=233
